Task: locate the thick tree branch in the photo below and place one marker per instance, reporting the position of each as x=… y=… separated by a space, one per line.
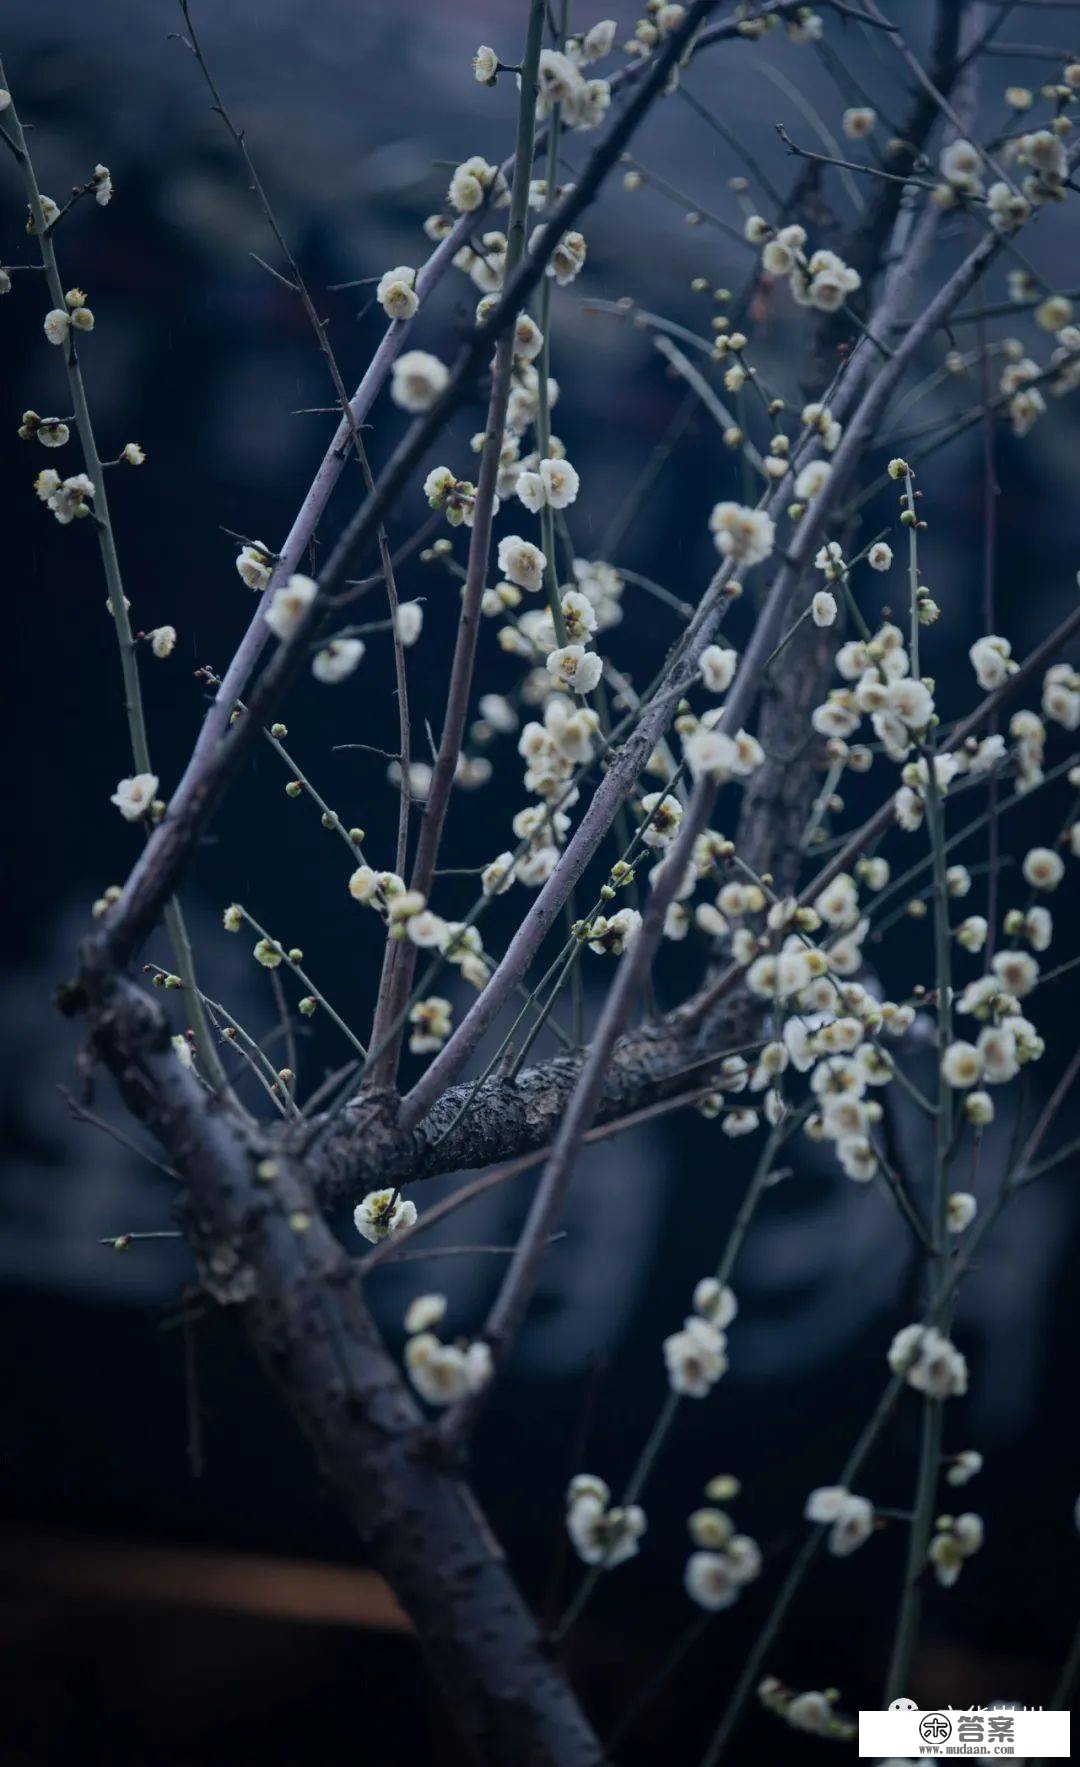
x=263 y=1247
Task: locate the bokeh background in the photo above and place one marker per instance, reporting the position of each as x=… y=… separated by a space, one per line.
x=180 y=1590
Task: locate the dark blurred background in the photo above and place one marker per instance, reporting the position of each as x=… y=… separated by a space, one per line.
x=179 y=1590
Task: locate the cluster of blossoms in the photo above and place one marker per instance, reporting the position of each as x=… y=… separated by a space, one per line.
x=880 y=686
x=696 y=1356
x=745 y=536
x=396 y=292
x=956 y=1538
x=723 y=1563
x=819 y=279
x=601 y=1533
x=442 y=1373
x=69 y=499
x=929 y=1361
x=1040 y=154
x=407 y=916
x=849 y=1519
x=51 y=432
x=285 y=616
x=75 y=315
x=582 y=102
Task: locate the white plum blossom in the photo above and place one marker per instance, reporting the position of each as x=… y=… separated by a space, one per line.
x=134 y=797
x=424 y=1313
x=522 y=562
x=255 y=563
x=442 y=1373
x=929 y=1362
x=956 y=1539
x=381 y=1214
x=337 y=660
x=600 y=1533
x=408 y=622
x=991 y=658
x=575 y=667
x=396 y=293
x=811 y=479
x=717 y=668
x=746 y=536
x=1043 y=868
x=696 y=1357
x=162 y=641
x=470 y=184
x=69 y=499
x=850 y=1519
x=417 y=380
x=964 y=1467
x=289 y=604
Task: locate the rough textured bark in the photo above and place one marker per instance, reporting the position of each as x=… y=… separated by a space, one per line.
x=367 y=1145
x=263 y=1248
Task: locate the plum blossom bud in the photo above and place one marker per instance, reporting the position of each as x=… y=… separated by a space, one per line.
x=858 y=122
x=961 y=1209
x=964 y=1466
x=408 y=622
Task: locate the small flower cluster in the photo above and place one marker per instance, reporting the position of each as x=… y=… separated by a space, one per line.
x=820 y=279
x=929 y=1361
x=407 y=916
x=442 y=1373
x=956 y=1538
x=60 y=322
x=723 y=1564
x=696 y=1356
x=69 y=499
x=849 y=1519
x=601 y=1534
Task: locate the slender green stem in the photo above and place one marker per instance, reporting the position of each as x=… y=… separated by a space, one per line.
x=133 y=704
x=302 y=976
x=907 y=1624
